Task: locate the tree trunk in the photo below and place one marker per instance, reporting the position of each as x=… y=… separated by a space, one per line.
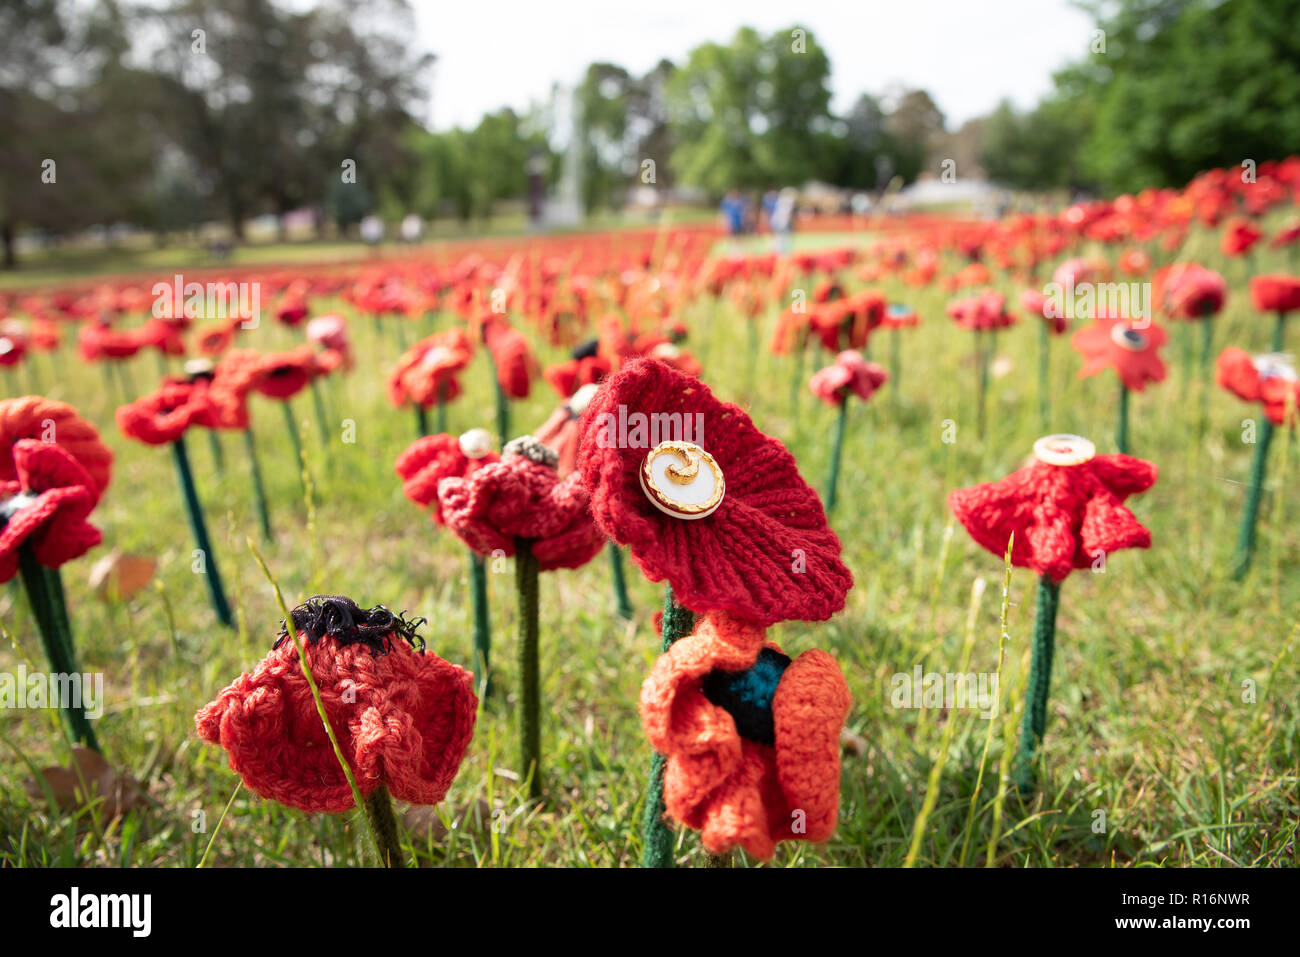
x=7 y=238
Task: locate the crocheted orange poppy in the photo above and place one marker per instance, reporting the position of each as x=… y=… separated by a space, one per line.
x=751 y=737
x=765 y=553
x=45 y=506
x=1130 y=348
x=403 y=717
x=35 y=417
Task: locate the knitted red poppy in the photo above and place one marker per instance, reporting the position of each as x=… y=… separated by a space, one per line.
x=98 y=340
x=568 y=376
x=1130 y=348
x=429 y=460
x=523 y=497
x=515 y=364
x=848 y=373
x=35 y=417
x=45 y=506
x=282 y=375
x=1239 y=235
x=430 y=369
x=13 y=344
x=766 y=553
x=1268 y=379
x=1275 y=293
x=403 y=717
x=1189 y=291
x=1063 y=516
x=161 y=335
x=163 y=416
x=751 y=737
x=1035 y=303
x=983 y=312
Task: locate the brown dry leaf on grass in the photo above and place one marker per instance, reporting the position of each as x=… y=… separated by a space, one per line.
x=118 y=576
x=113 y=794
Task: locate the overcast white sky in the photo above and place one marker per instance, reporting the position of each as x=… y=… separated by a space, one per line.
x=968 y=53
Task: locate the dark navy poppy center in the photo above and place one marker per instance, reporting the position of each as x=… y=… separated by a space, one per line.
x=747 y=695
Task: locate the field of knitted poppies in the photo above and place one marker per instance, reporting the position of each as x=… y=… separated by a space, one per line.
x=990 y=563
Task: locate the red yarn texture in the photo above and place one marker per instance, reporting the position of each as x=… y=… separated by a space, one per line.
x=980 y=313
x=35 y=417
x=766 y=554
x=1062 y=515
x=519 y=498
x=1236 y=371
x=738 y=792
x=849 y=373
x=403 y=719
x=429 y=460
x=58 y=495
x=163 y=416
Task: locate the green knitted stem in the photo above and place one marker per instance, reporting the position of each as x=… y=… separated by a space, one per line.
x=1034 y=723
x=291 y=426
x=621 y=601
x=421 y=421
x=837 y=451
x=503 y=411
x=1186 y=348
x=1254 y=494
x=322 y=420
x=194 y=511
x=1044 y=376
x=796 y=384
x=214 y=445
x=657 y=835
x=530 y=722
x=44 y=589
x=895 y=362
x=1279 y=332
x=482 y=627
x=383 y=825
x=1121 y=429
x=982 y=383
x=259 y=490
x=441 y=419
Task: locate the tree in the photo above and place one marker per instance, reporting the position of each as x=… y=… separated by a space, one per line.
x=749 y=114
x=1186 y=85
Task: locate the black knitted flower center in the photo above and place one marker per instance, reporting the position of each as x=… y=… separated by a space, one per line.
x=747 y=695
x=346 y=622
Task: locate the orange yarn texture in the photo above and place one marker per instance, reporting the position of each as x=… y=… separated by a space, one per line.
x=735 y=791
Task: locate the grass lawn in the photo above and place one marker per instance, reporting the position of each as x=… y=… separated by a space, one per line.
x=1172 y=723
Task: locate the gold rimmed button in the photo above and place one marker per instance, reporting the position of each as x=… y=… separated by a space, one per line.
x=1064 y=449
x=682 y=480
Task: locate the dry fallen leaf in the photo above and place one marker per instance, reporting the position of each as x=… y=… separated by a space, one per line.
x=118 y=576
x=112 y=793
